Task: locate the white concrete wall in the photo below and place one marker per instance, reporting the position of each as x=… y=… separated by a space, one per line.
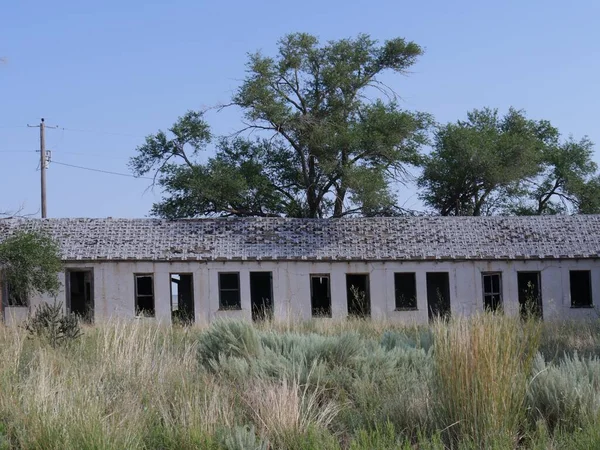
x=114 y=287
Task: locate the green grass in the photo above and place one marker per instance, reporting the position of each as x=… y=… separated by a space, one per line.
x=483 y=382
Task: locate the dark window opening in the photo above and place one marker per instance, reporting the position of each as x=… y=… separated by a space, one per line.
x=80 y=294
x=581 y=288
x=320 y=295
x=357 y=292
x=492 y=291
x=261 y=295
x=144 y=295
x=229 y=290
x=13 y=297
x=438 y=295
x=530 y=294
x=182 y=298
x=405 y=285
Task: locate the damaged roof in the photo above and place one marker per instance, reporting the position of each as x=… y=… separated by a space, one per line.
x=348 y=239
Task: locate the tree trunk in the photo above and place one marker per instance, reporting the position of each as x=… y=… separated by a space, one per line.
x=338 y=208
x=311 y=190
x=340 y=194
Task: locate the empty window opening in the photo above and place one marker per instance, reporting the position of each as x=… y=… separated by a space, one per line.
x=320 y=295
x=357 y=292
x=438 y=294
x=80 y=294
x=492 y=291
x=261 y=295
x=229 y=290
x=530 y=294
x=144 y=295
x=581 y=288
x=14 y=297
x=182 y=298
x=405 y=286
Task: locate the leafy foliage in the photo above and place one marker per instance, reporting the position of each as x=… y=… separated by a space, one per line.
x=478 y=165
x=30 y=262
x=567 y=182
x=510 y=165
x=49 y=323
x=323 y=148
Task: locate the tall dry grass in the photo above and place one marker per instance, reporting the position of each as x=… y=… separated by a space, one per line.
x=285 y=409
x=482 y=367
x=313 y=385
x=112 y=389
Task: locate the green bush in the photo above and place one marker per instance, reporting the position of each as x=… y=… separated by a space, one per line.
x=50 y=324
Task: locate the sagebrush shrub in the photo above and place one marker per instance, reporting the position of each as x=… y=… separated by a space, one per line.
x=228 y=338
x=420 y=338
x=243 y=438
x=566 y=393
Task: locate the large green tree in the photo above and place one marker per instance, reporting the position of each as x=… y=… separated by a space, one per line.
x=568 y=181
x=480 y=166
x=29 y=263
x=332 y=140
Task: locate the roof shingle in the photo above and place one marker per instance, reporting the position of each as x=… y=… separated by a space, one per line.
x=385 y=238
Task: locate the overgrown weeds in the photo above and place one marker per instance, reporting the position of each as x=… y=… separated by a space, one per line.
x=49 y=323
x=463 y=384
x=482 y=364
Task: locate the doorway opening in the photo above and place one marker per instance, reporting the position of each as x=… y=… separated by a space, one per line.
x=80 y=294
x=261 y=295
x=182 y=298
x=530 y=294
x=357 y=293
x=438 y=294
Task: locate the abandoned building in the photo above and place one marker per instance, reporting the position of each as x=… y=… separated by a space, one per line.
x=408 y=269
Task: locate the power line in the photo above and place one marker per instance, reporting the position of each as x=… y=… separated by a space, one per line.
x=102 y=132
x=19 y=151
x=62 y=152
x=101 y=171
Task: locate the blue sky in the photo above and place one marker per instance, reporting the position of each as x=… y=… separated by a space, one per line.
x=108 y=73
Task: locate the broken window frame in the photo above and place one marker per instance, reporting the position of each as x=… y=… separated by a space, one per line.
x=525 y=295
x=492 y=292
x=144 y=312
x=355 y=308
x=177 y=314
x=575 y=302
x=401 y=302
x=238 y=303
x=171 y=274
x=315 y=312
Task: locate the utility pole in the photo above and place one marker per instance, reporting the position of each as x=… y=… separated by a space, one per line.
x=43 y=164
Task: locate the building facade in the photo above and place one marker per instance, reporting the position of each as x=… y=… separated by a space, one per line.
x=406 y=269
